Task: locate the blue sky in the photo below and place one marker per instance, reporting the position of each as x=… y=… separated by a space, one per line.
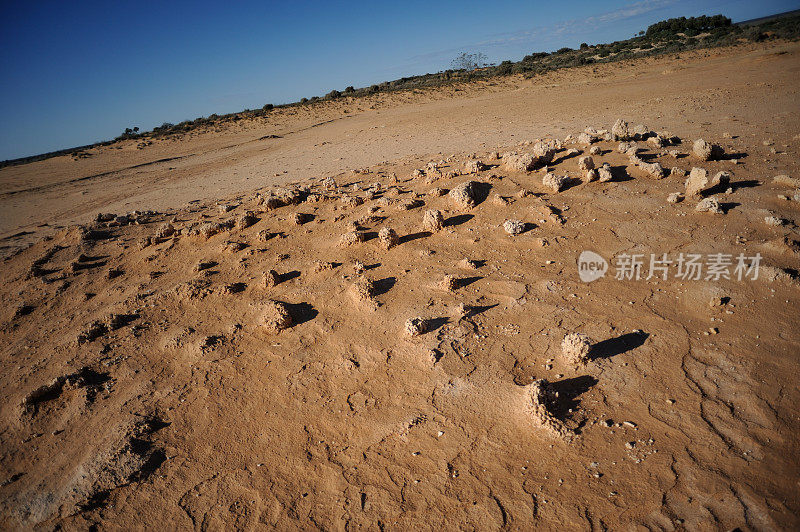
x=76 y=73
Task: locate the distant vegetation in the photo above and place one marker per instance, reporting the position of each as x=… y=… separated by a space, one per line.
x=465 y=61
x=688 y=26
x=666 y=37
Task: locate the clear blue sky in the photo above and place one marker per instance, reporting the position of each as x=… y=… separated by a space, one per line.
x=76 y=73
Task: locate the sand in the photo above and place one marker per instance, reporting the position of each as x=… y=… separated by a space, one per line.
x=153 y=377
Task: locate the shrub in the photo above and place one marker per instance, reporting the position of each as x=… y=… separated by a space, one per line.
x=505 y=68
x=535 y=56
x=682 y=24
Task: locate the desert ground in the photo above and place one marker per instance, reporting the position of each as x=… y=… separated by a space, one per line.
x=367 y=314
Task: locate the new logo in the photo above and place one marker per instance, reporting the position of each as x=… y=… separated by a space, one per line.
x=591 y=266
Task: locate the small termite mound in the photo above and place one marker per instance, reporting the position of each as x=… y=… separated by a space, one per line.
x=352 y=201
x=388 y=238
x=576 y=348
x=706 y=151
x=469 y=264
x=556 y=183
x=322 y=266
x=473 y=167
x=540 y=397
x=363 y=290
x=207 y=229
x=246 y=220
x=352 y=238
x=711 y=205
x=415 y=326
x=675 y=197
x=604 y=173
x=94 y=331
x=433 y=221
x=409 y=204
x=271 y=279
x=276 y=316
x=301 y=218
x=465 y=195
x=654 y=170
x=514 y=227
x=461 y=311
x=449 y=283
x=586 y=163
x=164 y=231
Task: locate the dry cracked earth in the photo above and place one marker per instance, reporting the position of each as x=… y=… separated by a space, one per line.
x=385 y=347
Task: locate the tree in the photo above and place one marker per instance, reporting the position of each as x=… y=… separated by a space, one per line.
x=465 y=61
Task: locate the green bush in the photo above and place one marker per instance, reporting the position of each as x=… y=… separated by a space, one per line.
x=505 y=68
